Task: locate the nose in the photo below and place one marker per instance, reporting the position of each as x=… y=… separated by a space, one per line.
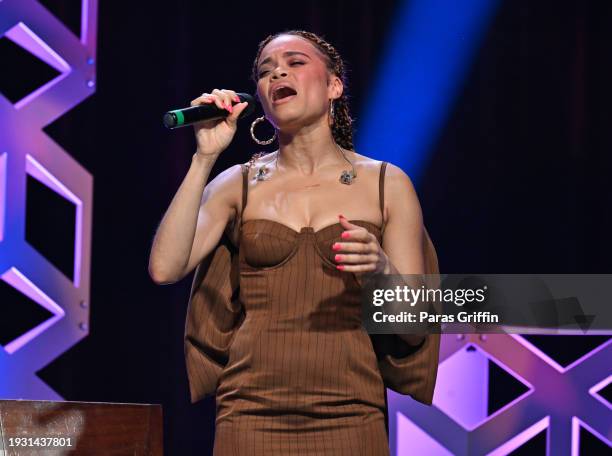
x=278 y=72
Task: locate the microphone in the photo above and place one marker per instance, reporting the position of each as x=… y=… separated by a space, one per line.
x=187 y=116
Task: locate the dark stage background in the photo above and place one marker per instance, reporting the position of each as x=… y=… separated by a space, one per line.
x=517 y=182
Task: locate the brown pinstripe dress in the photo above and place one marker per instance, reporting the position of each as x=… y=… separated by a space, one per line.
x=294 y=371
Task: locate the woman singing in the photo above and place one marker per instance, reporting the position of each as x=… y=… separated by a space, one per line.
x=282 y=246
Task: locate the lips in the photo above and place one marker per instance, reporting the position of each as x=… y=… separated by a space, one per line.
x=282 y=91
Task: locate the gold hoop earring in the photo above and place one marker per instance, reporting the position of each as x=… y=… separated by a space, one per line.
x=259 y=141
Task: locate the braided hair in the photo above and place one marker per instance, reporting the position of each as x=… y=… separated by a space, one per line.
x=342 y=129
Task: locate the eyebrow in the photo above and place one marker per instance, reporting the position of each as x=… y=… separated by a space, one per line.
x=285 y=54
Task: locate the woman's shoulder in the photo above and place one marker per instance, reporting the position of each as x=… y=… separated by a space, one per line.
x=373 y=165
x=233 y=174
x=396 y=181
x=364 y=163
x=257 y=160
x=260 y=158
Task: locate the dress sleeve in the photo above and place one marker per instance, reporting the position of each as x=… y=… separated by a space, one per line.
x=214 y=314
x=408 y=369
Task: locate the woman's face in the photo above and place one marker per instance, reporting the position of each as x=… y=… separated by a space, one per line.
x=294 y=63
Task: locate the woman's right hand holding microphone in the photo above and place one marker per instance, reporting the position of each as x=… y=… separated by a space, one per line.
x=213 y=136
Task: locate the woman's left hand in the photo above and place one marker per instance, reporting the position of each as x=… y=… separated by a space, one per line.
x=360 y=251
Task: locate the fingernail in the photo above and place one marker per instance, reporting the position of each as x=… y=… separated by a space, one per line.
x=336 y=246
x=345 y=235
x=237 y=99
x=340 y=266
x=338 y=258
x=340 y=215
x=229 y=108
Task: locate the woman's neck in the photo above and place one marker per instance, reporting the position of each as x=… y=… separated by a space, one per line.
x=308 y=150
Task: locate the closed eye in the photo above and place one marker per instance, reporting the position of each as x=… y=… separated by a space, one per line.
x=263 y=73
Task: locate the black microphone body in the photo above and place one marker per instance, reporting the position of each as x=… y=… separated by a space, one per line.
x=188 y=116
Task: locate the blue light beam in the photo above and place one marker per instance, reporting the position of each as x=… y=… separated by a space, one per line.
x=430 y=47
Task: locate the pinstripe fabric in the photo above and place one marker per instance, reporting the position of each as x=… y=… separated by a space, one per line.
x=293 y=369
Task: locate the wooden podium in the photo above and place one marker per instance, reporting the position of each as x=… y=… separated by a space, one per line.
x=87 y=428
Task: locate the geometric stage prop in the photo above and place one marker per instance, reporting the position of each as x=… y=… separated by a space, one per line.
x=560 y=401
x=26 y=151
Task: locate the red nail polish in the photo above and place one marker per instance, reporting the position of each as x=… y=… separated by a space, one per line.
x=340 y=266
x=336 y=246
x=338 y=258
x=342 y=216
x=345 y=235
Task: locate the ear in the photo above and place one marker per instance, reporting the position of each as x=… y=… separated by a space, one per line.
x=334 y=87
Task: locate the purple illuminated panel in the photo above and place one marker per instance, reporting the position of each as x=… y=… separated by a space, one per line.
x=26 y=150
x=2 y=192
x=27 y=39
x=561 y=400
x=597 y=388
x=20 y=282
x=36 y=170
x=462 y=386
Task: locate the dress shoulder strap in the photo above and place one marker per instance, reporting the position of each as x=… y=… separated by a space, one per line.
x=381 y=193
x=245 y=188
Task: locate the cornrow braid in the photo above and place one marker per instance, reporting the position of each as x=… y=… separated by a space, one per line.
x=342 y=126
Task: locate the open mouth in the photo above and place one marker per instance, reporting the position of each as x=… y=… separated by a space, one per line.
x=282 y=93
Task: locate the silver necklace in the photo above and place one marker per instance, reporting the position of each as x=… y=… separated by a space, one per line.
x=347 y=177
